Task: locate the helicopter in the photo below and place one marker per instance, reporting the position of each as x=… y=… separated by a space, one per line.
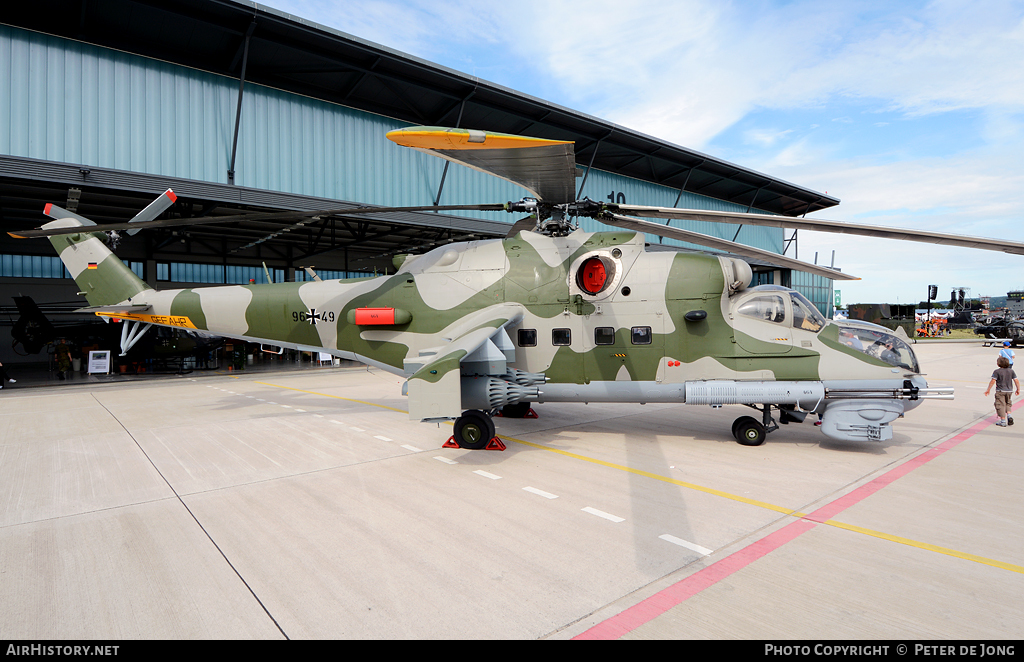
x=552 y=313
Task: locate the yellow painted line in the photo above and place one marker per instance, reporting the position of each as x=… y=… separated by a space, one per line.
x=336 y=397
x=664 y=479
x=931 y=548
x=612 y=465
x=719 y=493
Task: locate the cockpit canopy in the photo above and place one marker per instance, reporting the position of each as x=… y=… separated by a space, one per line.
x=878 y=342
x=769 y=304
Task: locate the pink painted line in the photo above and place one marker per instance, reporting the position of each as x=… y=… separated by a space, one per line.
x=656 y=605
x=659 y=603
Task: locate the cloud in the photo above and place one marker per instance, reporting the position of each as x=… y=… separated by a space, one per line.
x=689 y=70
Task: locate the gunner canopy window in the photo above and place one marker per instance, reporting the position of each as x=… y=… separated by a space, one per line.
x=767 y=307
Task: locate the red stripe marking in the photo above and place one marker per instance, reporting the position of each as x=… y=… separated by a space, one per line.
x=46 y=209
x=656 y=605
x=170 y=194
x=371 y=316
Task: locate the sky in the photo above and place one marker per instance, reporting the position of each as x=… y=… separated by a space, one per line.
x=911 y=113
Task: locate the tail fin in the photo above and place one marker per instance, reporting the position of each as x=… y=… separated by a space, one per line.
x=101 y=276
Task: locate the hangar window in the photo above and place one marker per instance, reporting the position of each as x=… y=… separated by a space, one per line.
x=767 y=307
x=641 y=335
x=527 y=337
x=32 y=266
x=604 y=335
x=561 y=337
x=330 y=274
x=217 y=274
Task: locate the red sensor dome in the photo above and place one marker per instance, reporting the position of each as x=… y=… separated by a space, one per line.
x=592 y=276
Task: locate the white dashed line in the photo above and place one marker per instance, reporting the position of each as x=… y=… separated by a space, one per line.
x=302 y=410
x=412 y=448
x=601 y=513
x=338 y=422
x=377 y=436
x=287 y=406
x=486 y=475
x=703 y=551
x=444 y=459
x=546 y=495
x=318 y=415
x=358 y=429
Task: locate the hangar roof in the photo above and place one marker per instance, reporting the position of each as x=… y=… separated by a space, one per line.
x=297 y=55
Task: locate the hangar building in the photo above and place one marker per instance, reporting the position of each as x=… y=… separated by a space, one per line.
x=237 y=107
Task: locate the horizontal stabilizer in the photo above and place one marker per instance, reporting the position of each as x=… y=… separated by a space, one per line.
x=126 y=309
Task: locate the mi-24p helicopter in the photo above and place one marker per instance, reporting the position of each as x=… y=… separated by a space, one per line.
x=551 y=313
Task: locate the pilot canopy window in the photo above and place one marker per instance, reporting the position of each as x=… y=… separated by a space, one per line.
x=805 y=315
x=767 y=307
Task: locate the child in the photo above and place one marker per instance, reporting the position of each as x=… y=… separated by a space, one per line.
x=1001 y=379
x=1007 y=352
x=4 y=377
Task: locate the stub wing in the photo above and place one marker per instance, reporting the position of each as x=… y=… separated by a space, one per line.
x=482 y=349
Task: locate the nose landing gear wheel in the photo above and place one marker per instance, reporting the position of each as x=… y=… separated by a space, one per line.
x=473 y=430
x=748 y=431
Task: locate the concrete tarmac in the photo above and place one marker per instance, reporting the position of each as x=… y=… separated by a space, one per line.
x=305 y=504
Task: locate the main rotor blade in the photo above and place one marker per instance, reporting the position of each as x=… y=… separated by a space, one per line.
x=546 y=168
x=630 y=223
x=822 y=225
x=214 y=220
x=528 y=223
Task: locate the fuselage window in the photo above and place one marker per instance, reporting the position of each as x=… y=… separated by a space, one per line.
x=604 y=335
x=527 y=337
x=561 y=337
x=641 y=335
x=768 y=308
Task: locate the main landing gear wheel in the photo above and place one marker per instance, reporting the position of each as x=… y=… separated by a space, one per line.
x=473 y=430
x=748 y=431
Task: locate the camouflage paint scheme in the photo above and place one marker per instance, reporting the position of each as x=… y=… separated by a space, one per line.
x=461 y=295
x=555 y=314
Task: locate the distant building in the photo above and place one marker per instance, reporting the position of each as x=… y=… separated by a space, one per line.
x=1015 y=302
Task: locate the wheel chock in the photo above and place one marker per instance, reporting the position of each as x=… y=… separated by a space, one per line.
x=529 y=414
x=494 y=444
